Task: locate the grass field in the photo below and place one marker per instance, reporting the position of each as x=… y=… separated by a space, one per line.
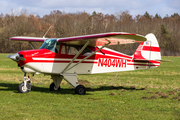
x=146 y=94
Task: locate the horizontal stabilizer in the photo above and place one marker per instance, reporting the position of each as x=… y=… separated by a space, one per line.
x=165 y=60
x=140 y=60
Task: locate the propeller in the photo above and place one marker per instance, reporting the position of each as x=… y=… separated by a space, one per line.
x=16 y=57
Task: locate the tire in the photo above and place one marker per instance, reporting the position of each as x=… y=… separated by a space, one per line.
x=80 y=89
x=24 y=89
x=52 y=87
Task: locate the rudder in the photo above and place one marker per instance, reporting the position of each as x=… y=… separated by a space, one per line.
x=148 y=50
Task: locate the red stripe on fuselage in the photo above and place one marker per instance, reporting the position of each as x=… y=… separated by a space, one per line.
x=61 y=61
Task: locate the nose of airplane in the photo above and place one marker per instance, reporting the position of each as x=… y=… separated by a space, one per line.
x=14 y=57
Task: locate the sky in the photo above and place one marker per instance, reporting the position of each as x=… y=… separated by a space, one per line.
x=135 y=7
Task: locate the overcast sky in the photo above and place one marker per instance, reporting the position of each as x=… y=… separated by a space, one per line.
x=135 y=7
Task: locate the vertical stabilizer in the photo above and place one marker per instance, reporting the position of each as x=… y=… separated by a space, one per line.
x=148 y=50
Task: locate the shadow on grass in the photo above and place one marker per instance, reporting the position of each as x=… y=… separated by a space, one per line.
x=14 y=87
x=102 y=88
x=8 y=87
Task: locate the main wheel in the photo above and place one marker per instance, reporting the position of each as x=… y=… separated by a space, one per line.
x=80 y=89
x=52 y=87
x=24 y=89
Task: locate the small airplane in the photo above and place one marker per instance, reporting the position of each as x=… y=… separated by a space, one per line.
x=65 y=58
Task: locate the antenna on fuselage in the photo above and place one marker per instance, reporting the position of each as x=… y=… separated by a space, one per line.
x=47 y=31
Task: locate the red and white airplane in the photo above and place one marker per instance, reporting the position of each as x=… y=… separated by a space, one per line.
x=65 y=58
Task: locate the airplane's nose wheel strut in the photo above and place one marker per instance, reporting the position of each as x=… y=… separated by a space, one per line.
x=25 y=86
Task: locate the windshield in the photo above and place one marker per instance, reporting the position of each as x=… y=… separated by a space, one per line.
x=49 y=44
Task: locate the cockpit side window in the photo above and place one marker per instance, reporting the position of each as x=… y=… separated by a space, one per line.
x=86 y=52
x=63 y=49
x=72 y=50
x=57 y=47
x=54 y=46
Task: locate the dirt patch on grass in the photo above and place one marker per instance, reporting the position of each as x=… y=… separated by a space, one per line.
x=83 y=82
x=173 y=95
x=10 y=69
x=112 y=94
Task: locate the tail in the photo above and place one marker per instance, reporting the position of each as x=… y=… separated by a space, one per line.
x=148 y=51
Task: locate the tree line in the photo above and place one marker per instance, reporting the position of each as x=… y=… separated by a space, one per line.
x=167 y=29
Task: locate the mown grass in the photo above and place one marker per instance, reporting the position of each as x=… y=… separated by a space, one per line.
x=122 y=95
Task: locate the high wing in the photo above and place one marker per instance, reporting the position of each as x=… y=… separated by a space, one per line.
x=113 y=38
x=28 y=39
x=95 y=39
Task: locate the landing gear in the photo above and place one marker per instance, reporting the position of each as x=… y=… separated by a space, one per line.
x=72 y=80
x=80 y=89
x=22 y=88
x=55 y=86
x=52 y=87
x=25 y=86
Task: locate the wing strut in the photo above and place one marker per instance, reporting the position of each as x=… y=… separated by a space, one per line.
x=32 y=45
x=87 y=43
x=88 y=56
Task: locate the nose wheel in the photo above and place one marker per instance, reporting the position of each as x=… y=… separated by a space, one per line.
x=22 y=88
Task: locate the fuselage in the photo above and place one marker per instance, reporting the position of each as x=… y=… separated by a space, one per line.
x=107 y=60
